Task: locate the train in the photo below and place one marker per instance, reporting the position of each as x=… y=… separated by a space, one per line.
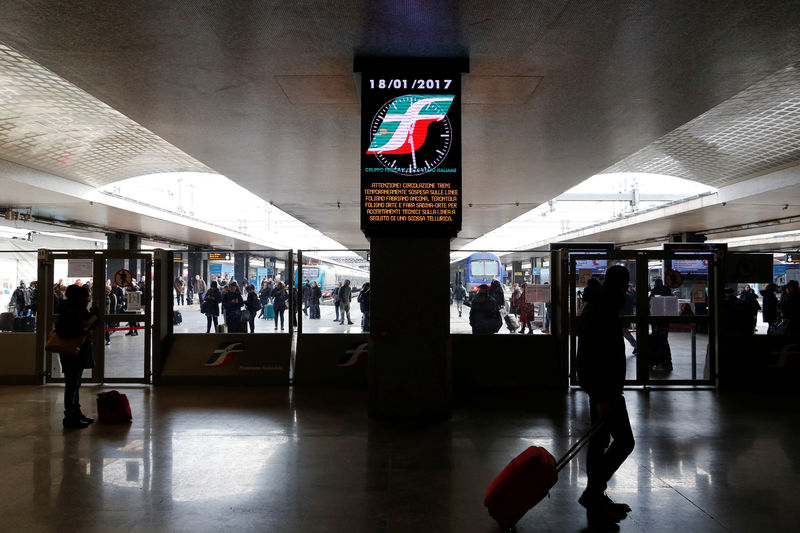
x=477 y=269
x=328 y=276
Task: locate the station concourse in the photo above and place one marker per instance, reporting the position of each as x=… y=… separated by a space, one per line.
x=405 y=147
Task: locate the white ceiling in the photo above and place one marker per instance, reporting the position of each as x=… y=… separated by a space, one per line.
x=264 y=93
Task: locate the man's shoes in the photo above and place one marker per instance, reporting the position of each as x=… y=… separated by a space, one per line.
x=600 y=520
x=85 y=418
x=602 y=507
x=74 y=423
x=350 y=323
x=621 y=508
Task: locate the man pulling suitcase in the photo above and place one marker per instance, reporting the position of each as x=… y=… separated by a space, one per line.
x=601 y=373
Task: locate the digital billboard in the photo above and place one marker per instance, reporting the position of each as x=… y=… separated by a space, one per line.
x=411 y=150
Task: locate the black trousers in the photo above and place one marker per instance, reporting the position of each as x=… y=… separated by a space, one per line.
x=72 y=367
x=602 y=458
x=279 y=314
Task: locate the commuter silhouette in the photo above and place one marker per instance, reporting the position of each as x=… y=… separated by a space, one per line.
x=769 y=313
x=660 y=350
x=210 y=306
x=459 y=295
x=21 y=299
x=345 y=293
x=748 y=296
x=364 y=301
x=199 y=288
x=264 y=296
x=306 y=295
x=628 y=309
x=527 y=312
x=335 y=294
x=76 y=319
x=253 y=306
x=280 y=297
x=484 y=315
x=314 y=300
x=496 y=292
x=180 y=289
x=232 y=302
x=601 y=373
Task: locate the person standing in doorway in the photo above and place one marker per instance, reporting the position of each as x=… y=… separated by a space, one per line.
x=769 y=312
x=279 y=298
x=180 y=290
x=199 y=288
x=601 y=374
x=264 y=296
x=232 y=302
x=459 y=293
x=76 y=318
x=364 y=301
x=253 y=306
x=21 y=299
x=345 y=293
x=306 y=295
x=335 y=294
x=629 y=309
x=316 y=296
x=210 y=306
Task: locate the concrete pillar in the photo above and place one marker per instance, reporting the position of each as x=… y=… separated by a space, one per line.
x=241 y=262
x=194 y=262
x=518 y=276
x=409 y=349
x=122 y=241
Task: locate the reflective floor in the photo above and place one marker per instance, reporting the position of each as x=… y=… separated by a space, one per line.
x=275 y=459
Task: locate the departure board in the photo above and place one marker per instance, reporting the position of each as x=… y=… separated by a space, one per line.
x=411 y=153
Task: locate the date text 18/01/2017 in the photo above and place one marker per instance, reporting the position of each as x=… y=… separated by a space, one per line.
x=399 y=83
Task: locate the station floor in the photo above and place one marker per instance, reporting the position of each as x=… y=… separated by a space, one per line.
x=200 y=459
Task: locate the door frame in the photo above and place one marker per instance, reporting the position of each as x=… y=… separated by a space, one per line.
x=567 y=259
x=47 y=260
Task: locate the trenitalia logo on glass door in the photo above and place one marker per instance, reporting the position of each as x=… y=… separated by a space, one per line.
x=411 y=134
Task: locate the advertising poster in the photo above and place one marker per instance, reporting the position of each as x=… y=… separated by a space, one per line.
x=584 y=275
x=698 y=293
x=134 y=301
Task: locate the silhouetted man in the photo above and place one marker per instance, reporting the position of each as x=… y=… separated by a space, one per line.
x=601 y=373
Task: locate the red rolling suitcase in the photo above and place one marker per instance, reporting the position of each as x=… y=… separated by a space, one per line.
x=526 y=480
x=113 y=408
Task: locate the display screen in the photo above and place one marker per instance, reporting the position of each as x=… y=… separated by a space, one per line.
x=597 y=266
x=411 y=154
x=690 y=266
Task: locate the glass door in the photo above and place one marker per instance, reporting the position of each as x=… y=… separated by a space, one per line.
x=668 y=318
x=121 y=285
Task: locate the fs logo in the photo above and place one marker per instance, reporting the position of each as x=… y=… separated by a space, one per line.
x=356 y=355
x=223 y=355
x=411 y=134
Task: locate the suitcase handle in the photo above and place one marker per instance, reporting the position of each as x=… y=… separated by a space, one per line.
x=576 y=448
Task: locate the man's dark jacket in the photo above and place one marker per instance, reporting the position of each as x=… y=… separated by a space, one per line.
x=601 y=348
